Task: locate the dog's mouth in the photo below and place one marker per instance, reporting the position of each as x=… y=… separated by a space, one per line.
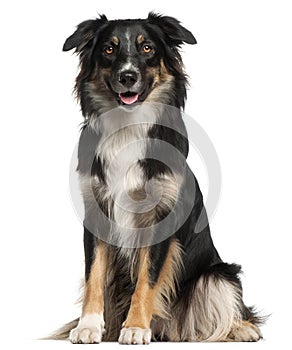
x=129 y=97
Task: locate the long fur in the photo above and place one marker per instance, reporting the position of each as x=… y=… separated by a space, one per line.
x=199 y=296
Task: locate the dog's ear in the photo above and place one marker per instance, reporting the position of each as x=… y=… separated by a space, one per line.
x=85 y=32
x=175 y=34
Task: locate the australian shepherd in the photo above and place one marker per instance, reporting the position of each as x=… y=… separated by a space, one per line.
x=151 y=269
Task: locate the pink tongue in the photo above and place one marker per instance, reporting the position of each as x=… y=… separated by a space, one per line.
x=128 y=100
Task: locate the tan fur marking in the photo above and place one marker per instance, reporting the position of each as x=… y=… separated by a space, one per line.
x=101 y=74
x=115 y=40
x=140 y=39
x=244 y=331
x=147 y=301
x=140 y=312
x=159 y=74
x=162 y=87
x=94 y=289
x=168 y=279
x=163 y=71
x=153 y=72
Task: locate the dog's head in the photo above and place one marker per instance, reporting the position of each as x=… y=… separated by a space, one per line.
x=129 y=61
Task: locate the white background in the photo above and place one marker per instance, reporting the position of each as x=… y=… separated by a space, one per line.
x=241 y=77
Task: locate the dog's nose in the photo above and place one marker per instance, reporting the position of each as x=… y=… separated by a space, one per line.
x=128 y=78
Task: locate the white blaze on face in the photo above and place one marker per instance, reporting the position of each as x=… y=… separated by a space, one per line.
x=128 y=37
x=128 y=66
x=129 y=98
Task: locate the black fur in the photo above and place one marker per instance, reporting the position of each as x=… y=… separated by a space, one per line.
x=90 y=242
x=157 y=255
x=199 y=257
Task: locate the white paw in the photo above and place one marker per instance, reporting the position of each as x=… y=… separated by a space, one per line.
x=135 y=335
x=89 y=330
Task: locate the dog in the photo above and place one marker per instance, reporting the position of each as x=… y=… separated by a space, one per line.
x=149 y=274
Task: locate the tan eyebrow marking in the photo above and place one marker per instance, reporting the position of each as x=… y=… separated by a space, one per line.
x=140 y=39
x=115 y=40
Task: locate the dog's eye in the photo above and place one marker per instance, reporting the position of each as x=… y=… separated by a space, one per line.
x=147 y=48
x=109 y=50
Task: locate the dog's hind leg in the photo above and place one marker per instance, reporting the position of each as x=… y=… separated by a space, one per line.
x=212 y=310
x=218 y=311
x=245 y=331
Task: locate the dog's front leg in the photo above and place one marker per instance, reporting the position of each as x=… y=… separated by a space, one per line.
x=154 y=285
x=137 y=325
x=91 y=323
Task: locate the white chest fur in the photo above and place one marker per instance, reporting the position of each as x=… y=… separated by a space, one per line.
x=123 y=143
x=131 y=201
x=124 y=139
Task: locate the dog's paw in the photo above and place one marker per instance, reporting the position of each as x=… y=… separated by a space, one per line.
x=85 y=335
x=89 y=330
x=246 y=332
x=135 y=335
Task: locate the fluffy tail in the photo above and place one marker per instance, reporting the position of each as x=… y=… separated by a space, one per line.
x=63 y=332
